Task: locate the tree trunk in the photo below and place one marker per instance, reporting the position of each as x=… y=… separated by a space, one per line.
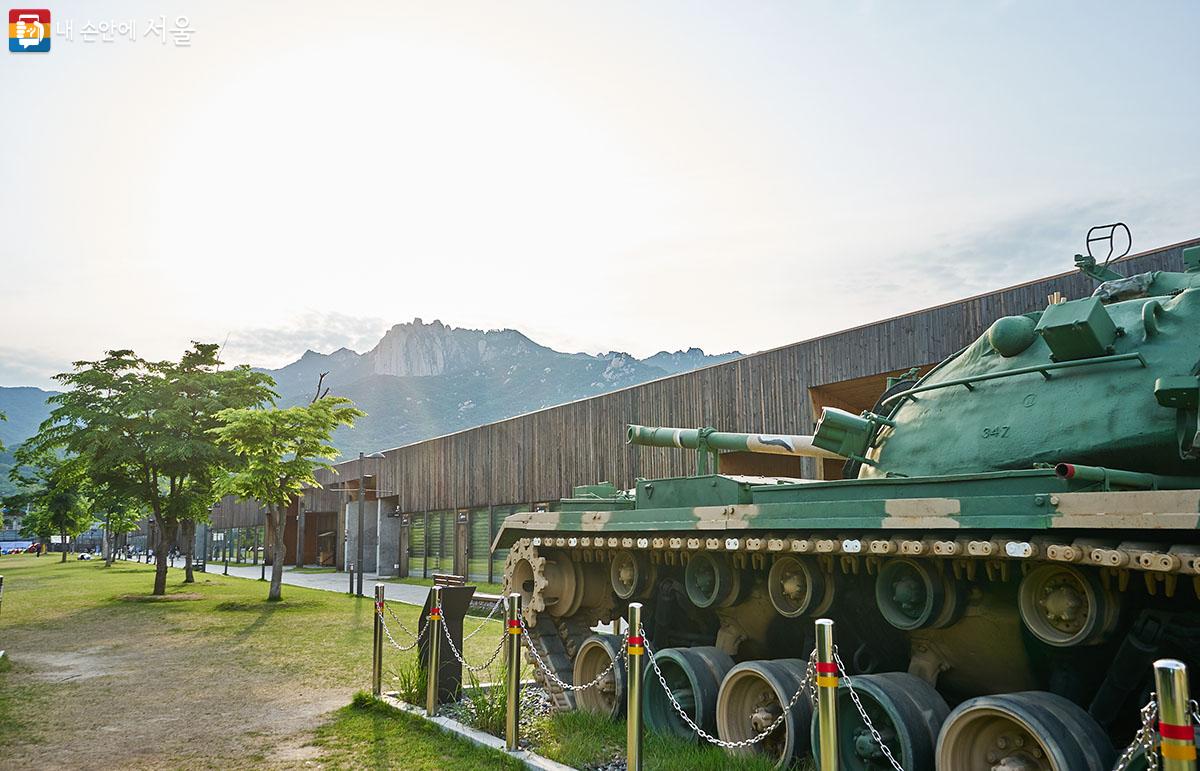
x=106 y=545
x=64 y=545
x=166 y=534
x=278 y=548
x=189 y=546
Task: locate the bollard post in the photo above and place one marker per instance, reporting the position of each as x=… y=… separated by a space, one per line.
x=377 y=644
x=1178 y=745
x=435 y=647
x=350 y=566
x=512 y=678
x=633 y=675
x=827 y=683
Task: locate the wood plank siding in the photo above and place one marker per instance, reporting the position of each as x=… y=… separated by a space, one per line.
x=541 y=455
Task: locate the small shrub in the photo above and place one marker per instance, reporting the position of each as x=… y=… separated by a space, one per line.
x=410 y=682
x=486 y=707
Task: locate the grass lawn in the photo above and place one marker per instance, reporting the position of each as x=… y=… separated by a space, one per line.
x=370 y=734
x=215 y=677
x=99 y=677
x=579 y=738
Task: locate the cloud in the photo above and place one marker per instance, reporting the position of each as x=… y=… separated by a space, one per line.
x=1028 y=245
x=322 y=331
x=25 y=367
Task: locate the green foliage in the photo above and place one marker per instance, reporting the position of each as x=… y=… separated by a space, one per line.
x=409 y=680
x=486 y=707
x=143 y=428
x=52 y=491
x=281 y=449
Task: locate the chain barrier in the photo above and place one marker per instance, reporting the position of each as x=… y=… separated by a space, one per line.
x=549 y=671
x=805 y=685
x=461 y=660
x=400 y=623
x=416 y=639
x=862 y=712
x=1145 y=739
x=499 y=604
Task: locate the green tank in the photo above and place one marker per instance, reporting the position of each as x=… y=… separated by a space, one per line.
x=1013 y=543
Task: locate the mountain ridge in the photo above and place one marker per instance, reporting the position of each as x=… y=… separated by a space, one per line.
x=423 y=380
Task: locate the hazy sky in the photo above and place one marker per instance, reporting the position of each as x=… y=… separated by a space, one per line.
x=602 y=175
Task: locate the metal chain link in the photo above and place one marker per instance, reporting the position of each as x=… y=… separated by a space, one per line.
x=461 y=660
x=805 y=685
x=1195 y=709
x=402 y=648
x=549 y=672
x=400 y=623
x=863 y=712
x=492 y=612
x=1145 y=739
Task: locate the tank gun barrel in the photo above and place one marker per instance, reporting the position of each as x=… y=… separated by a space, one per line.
x=726 y=441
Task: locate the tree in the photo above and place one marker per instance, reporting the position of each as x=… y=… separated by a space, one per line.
x=144 y=428
x=280 y=450
x=51 y=488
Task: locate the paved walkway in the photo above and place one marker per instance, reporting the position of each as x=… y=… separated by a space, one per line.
x=330 y=582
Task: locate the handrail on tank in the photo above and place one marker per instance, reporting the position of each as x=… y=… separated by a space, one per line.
x=1042 y=369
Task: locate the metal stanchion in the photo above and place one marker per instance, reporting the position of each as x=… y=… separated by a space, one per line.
x=827 y=683
x=512 y=678
x=435 y=640
x=351 y=569
x=377 y=644
x=633 y=674
x=1178 y=746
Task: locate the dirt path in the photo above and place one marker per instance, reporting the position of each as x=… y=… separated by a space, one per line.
x=122 y=686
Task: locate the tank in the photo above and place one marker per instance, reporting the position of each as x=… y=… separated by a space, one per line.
x=1013 y=543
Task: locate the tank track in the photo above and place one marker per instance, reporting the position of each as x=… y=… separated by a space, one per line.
x=549 y=637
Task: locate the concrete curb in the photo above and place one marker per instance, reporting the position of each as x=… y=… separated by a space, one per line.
x=474 y=735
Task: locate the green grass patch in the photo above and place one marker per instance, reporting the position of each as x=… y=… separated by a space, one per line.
x=371 y=734
x=82 y=657
x=582 y=739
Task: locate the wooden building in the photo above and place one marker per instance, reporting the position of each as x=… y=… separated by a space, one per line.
x=438 y=503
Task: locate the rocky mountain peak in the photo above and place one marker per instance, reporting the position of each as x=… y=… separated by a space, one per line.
x=417 y=349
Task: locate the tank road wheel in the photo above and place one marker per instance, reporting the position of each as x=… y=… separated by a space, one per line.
x=907 y=712
x=548 y=582
x=914 y=594
x=597 y=654
x=1065 y=606
x=694 y=677
x=798 y=587
x=1023 y=731
x=753 y=696
x=711 y=581
x=630 y=574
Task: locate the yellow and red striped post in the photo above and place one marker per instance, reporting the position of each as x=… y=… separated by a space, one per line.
x=377 y=644
x=633 y=674
x=434 y=641
x=512 y=682
x=827 y=683
x=1178 y=737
